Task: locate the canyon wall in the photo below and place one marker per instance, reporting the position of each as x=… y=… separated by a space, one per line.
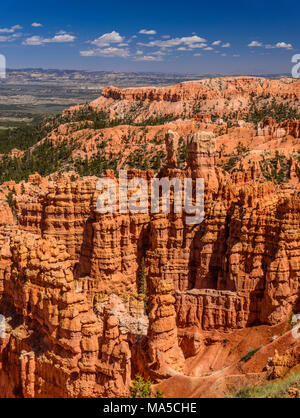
x=75 y=324
x=217 y=96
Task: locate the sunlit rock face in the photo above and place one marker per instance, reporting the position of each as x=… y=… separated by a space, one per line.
x=69 y=276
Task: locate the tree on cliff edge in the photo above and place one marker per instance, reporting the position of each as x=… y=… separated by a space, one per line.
x=142 y=279
x=141 y=388
x=142 y=283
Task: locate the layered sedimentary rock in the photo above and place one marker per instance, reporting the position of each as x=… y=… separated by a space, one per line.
x=48 y=322
x=281 y=364
x=201 y=154
x=69 y=276
x=165 y=355
x=220 y=96
x=171 y=140
x=54 y=344
x=210 y=309
x=6 y=215
x=269 y=127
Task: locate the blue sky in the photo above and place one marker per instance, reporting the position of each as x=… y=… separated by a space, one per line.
x=244 y=37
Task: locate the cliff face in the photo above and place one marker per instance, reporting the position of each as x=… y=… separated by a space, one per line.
x=270 y=128
x=48 y=322
x=225 y=86
x=54 y=344
x=68 y=278
x=216 y=96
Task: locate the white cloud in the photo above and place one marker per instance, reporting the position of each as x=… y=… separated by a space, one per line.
x=197 y=55
x=236 y=55
x=284 y=45
x=201 y=45
x=208 y=48
x=34 y=40
x=269 y=46
x=280 y=45
x=9 y=38
x=223 y=55
x=62 y=38
x=38 y=40
x=36 y=25
x=216 y=43
x=148 y=58
x=139 y=52
x=186 y=40
x=255 y=44
x=11 y=30
x=108 y=38
x=166 y=36
x=89 y=53
x=147 y=32
x=226 y=45
x=106 y=52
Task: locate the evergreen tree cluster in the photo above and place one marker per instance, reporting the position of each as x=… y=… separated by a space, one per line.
x=278 y=111
x=275 y=169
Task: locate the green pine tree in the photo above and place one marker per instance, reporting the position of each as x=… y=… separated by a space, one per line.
x=142 y=279
x=159 y=394
x=140 y=388
x=142 y=283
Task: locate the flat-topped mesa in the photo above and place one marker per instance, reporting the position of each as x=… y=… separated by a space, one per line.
x=201 y=153
x=207 y=88
x=219 y=95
